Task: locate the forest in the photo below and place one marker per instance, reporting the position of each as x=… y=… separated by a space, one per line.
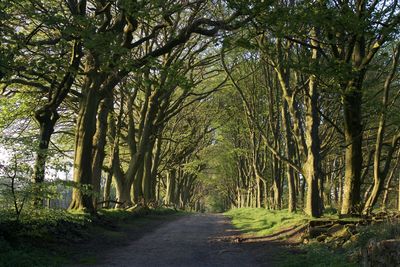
x=200 y=106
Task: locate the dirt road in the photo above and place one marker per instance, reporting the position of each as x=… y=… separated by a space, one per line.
x=193 y=240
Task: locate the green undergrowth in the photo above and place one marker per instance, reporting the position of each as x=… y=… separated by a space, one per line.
x=23 y=242
x=120 y=214
x=319 y=254
x=54 y=237
x=262 y=222
x=315 y=254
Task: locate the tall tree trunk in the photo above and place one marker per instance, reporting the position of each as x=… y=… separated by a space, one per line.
x=47 y=119
x=113 y=141
x=170 y=191
x=379 y=174
x=265 y=189
x=147 y=131
x=258 y=188
x=96 y=85
x=398 y=195
x=123 y=195
x=290 y=155
x=147 y=177
x=312 y=167
x=156 y=163
x=47 y=116
x=99 y=143
x=85 y=130
x=385 y=196
x=353 y=155
x=107 y=189
x=137 y=188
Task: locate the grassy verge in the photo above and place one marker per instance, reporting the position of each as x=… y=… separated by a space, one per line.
x=56 y=238
x=319 y=254
x=262 y=222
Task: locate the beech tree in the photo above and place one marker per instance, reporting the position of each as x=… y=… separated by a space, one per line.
x=240 y=104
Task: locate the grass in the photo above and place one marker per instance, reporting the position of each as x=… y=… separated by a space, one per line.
x=318 y=254
x=314 y=254
x=23 y=242
x=262 y=222
x=56 y=238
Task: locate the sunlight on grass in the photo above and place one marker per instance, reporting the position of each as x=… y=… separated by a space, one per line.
x=261 y=222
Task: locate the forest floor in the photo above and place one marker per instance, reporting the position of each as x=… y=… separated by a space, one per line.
x=169 y=238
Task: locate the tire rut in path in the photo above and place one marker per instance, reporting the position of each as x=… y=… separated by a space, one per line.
x=193 y=240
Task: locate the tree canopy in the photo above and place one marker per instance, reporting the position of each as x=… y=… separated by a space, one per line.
x=200 y=105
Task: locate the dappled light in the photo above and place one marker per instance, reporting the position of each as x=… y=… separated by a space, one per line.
x=199 y=133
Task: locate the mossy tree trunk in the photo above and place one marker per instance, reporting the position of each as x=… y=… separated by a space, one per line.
x=290 y=155
x=95 y=87
x=99 y=143
x=353 y=151
x=312 y=167
x=85 y=130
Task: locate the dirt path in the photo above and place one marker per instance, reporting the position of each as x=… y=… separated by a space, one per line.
x=193 y=240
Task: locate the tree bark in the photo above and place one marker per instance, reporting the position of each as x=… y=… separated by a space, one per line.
x=353 y=155
x=85 y=130
x=379 y=174
x=170 y=191
x=312 y=168
x=99 y=143
x=47 y=119
x=290 y=155
x=385 y=196
x=147 y=177
x=48 y=116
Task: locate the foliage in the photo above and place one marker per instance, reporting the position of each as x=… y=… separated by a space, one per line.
x=123 y=215
x=27 y=242
x=18 y=193
x=388 y=230
x=45 y=237
x=319 y=254
x=315 y=255
x=201 y=105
